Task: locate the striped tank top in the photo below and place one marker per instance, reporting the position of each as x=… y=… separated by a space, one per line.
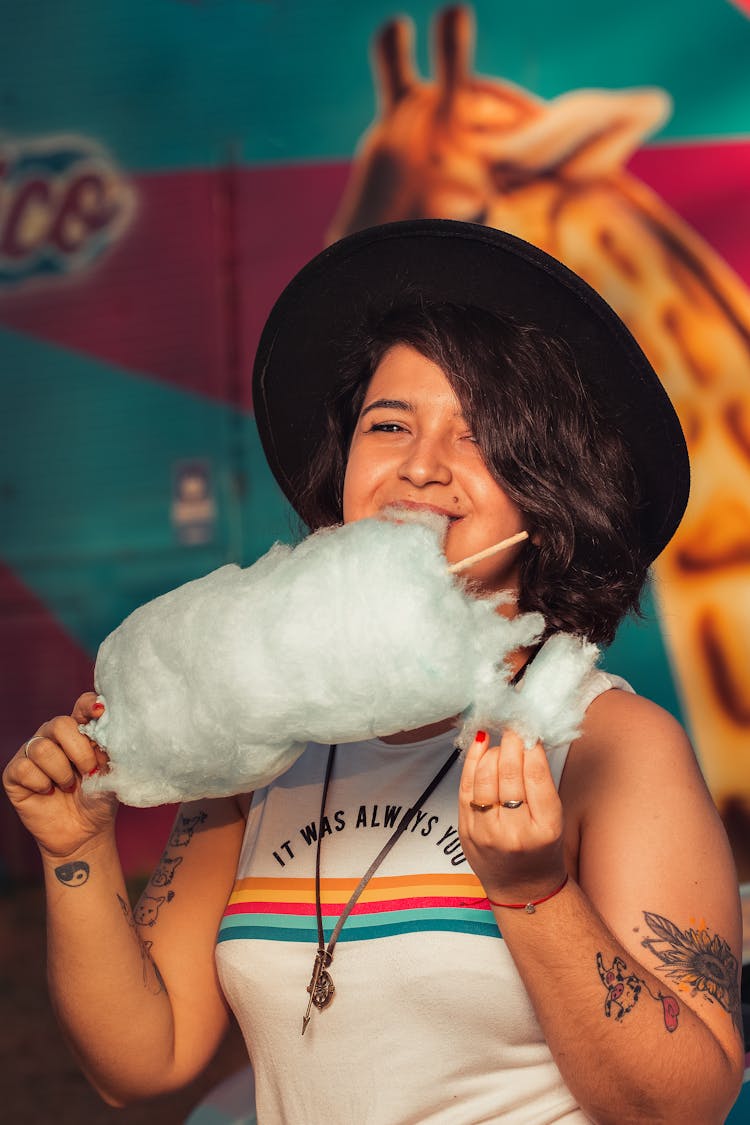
x=430 y=1021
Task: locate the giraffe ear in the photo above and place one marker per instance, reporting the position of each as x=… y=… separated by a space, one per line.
x=587 y=133
x=453 y=50
x=393 y=60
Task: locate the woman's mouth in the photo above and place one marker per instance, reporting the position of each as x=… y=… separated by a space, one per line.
x=415 y=506
x=427 y=515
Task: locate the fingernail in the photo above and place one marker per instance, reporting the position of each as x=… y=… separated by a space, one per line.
x=49 y=792
x=68 y=788
x=481 y=736
x=93 y=771
x=98 y=707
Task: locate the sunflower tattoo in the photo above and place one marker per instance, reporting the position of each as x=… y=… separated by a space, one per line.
x=698 y=961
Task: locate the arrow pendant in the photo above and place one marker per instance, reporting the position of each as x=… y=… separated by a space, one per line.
x=321 y=986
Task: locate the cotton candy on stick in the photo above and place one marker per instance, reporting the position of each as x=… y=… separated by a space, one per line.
x=360 y=630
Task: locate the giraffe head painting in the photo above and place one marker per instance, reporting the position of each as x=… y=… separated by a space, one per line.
x=553 y=173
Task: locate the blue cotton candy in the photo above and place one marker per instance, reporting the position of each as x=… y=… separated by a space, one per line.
x=359 y=631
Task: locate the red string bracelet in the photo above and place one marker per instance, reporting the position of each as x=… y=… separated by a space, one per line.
x=530 y=907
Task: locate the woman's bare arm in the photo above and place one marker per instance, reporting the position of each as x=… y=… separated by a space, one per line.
x=136 y=991
x=632 y=968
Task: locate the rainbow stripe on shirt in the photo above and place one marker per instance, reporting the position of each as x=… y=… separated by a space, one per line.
x=283 y=909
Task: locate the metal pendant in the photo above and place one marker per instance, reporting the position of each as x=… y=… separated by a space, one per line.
x=321 y=987
x=322 y=990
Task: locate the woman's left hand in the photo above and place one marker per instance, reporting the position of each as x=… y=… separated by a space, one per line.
x=515 y=850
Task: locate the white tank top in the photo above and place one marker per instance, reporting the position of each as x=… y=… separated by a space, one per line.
x=430 y=1021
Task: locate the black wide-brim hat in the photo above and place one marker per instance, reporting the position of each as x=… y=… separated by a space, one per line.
x=300 y=350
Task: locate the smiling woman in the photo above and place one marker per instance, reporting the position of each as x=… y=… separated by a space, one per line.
x=528 y=427
x=521 y=923
x=413 y=447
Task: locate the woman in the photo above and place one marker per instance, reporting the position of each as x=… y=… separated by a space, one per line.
x=523 y=946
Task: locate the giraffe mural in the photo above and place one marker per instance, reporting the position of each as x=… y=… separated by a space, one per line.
x=553 y=172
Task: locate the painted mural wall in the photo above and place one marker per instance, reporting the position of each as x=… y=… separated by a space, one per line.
x=165 y=167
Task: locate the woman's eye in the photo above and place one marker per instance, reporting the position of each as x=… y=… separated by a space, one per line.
x=386 y=428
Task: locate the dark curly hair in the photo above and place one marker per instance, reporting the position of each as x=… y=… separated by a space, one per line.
x=543 y=437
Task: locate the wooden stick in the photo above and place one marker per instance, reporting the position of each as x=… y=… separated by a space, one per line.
x=454 y=568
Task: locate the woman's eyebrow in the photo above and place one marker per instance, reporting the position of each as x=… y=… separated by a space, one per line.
x=388 y=404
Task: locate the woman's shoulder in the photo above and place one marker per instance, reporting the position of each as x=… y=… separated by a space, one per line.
x=617 y=712
x=623 y=734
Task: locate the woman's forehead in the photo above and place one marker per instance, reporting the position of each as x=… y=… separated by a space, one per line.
x=404 y=373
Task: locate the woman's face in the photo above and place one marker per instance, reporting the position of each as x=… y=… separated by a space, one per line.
x=412 y=447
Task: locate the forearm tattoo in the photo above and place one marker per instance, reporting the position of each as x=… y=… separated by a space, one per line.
x=146 y=913
x=152 y=978
x=73 y=874
x=624 y=990
x=147 y=910
x=182 y=833
x=698 y=962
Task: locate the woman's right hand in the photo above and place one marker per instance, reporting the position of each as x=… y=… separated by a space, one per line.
x=43 y=782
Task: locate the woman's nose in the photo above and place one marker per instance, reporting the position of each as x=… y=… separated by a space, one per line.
x=425 y=464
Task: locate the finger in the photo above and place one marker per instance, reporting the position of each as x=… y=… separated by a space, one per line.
x=49 y=759
x=62 y=751
x=473 y=756
x=87 y=707
x=510 y=769
x=102 y=760
x=21 y=776
x=485 y=780
x=541 y=791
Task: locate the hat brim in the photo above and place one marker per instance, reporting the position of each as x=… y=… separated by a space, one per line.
x=300 y=350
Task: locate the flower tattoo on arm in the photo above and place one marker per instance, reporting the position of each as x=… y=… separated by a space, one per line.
x=698 y=961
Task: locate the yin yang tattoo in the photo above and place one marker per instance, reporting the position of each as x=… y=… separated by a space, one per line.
x=73 y=874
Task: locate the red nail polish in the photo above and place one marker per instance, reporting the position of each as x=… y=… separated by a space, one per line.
x=93 y=771
x=68 y=788
x=98 y=707
x=49 y=792
x=481 y=736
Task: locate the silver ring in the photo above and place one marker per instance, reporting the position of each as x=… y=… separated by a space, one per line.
x=27 y=744
x=511 y=804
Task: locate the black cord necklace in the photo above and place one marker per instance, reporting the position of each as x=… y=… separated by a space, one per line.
x=321 y=987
